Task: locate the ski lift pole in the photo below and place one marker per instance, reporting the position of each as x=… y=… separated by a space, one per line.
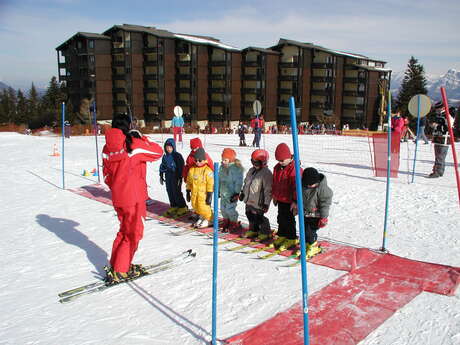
x=298 y=185
x=62 y=149
x=416 y=137
x=452 y=139
x=214 y=251
x=387 y=201
x=97 y=147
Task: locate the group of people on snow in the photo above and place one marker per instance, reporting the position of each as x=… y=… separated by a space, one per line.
x=125 y=156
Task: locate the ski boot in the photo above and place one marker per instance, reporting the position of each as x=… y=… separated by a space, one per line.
x=202 y=223
x=288 y=243
x=263 y=237
x=235 y=227
x=251 y=234
x=312 y=250
x=170 y=212
x=180 y=211
x=278 y=242
x=112 y=277
x=136 y=270
x=224 y=224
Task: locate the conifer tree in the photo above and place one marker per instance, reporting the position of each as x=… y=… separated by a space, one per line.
x=414 y=83
x=21 y=116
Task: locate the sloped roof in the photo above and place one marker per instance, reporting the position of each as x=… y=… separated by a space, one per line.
x=262 y=50
x=90 y=35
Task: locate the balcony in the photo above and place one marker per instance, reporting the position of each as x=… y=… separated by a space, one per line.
x=353 y=106
x=64 y=78
x=183 y=89
x=321 y=92
x=247 y=103
x=285 y=91
x=82 y=51
x=184 y=102
x=251 y=63
x=288 y=77
x=118 y=63
x=354 y=93
x=322 y=65
x=288 y=64
x=318 y=105
x=252 y=77
x=216 y=90
x=150 y=63
x=119 y=77
x=250 y=90
x=150 y=103
x=151 y=76
x=183 y=76
x=62 y=65
x=119 y=103
x=150 y=50
x=186 y=63
x=216 y=76
x=351 y=80
x=119 y=89
x=216 y=103
x=322 y=79
x=217 y=63
x=118 y=50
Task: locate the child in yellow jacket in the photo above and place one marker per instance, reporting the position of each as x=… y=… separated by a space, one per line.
x=199 y=187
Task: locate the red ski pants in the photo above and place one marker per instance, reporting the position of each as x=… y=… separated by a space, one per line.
x=177 y=131
x=128 y=237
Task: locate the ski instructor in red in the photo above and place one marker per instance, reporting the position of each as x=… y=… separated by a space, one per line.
x=124 y=157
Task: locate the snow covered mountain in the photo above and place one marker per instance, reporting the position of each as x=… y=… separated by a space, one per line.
x=3 y=86
x=450 y=80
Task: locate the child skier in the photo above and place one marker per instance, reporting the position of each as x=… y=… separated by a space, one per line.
x=124 y=158
x=257 y=194
x=317 y=199
x=171 y=173
x=200 y=184
x=284 y=195
x=195 y=144
x=230 y=183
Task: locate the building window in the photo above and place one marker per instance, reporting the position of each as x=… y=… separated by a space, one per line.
x=79 y=45
x=91 y=58
x=91 y=44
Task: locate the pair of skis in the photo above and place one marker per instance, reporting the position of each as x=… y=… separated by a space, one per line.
x=177 y=260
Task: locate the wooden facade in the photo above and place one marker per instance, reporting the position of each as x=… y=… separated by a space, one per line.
x=147 y=72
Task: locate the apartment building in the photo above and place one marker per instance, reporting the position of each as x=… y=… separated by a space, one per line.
x=146 y=71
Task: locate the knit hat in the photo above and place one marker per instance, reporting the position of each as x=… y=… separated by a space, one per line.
x=195 y=143
x=200 y=154
x=439 y=105
x=229 y=154
x=282 y=152
x=310 y=176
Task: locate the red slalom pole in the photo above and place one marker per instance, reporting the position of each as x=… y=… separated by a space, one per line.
x=452 y=139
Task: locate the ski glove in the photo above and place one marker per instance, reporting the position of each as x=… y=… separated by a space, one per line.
x=208 y=198
x=265 y=208
x=188 y=197
x=162 y=179
x=241 y=196
x=322 y=222
x=234 y=197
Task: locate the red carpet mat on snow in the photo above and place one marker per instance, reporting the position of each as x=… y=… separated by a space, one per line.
x=352 y=306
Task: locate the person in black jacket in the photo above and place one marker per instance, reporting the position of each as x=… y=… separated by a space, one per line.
x=441 y=140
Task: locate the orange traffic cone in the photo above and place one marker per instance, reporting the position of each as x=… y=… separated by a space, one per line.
x=55 y=151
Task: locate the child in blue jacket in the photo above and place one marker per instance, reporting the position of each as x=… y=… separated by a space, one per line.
x=171 y=173
x=230 y=183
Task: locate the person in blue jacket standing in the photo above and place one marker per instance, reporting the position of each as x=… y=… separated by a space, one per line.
x=177 y=125
x=230 y=183
x=171 y=173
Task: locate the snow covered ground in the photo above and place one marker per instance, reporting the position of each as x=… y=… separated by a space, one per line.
x=54 y=240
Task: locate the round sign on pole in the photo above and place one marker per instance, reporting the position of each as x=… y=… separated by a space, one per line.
x=425 y=105
x=257 y=107
x=178 y=110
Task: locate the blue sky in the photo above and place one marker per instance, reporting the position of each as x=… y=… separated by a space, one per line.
x=392 y=30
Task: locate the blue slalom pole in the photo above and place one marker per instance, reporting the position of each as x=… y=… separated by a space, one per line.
x=214 y=251
x=298 y=185
x=97 y=148
x=416 y=137
x=63 y=135
x=387 y=202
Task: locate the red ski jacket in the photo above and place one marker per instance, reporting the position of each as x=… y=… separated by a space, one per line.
x=283 y=187
x=195 y=143
x=125 y=172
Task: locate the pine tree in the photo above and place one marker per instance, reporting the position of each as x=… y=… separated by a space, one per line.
x=21 y=116
x=51 y=102
x=4 y=101
x=33 y=109
x=414 y=83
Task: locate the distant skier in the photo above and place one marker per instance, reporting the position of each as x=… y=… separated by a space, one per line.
x=230 y=183
x=242 y=133
x=317 y=199
x=171 y=168
x=257 y=195
x=124 y=166
x=177 y=125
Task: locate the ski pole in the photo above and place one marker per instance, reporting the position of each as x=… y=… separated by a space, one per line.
x=62 y=159
x=214 y=251
x=387 y=201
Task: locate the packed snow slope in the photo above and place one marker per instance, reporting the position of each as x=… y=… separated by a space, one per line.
x=54 y=240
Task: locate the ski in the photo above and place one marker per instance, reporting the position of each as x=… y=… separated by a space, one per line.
x=101 y=282
x=244 y=245
x=297 y=258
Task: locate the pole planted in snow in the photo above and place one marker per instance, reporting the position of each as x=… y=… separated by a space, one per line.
x=387 y=201
x=97 y=148
x=214 y=251
x=416 y=137
x=452 y=139
x=63 y=135
x=298 y=185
